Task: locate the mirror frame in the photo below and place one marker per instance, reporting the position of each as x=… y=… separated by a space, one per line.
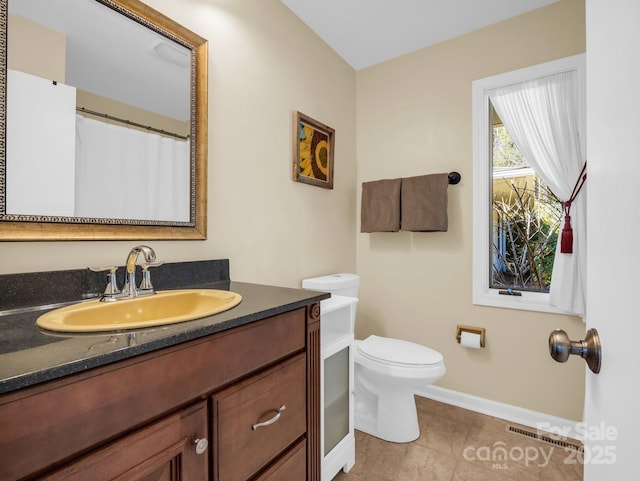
x=32 y=228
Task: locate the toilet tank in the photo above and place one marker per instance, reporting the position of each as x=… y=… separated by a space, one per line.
x=338 y=284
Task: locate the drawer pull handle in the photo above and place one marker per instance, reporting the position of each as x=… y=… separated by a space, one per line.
x=270 y=421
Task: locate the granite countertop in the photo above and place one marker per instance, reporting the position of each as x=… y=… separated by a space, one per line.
x=30 y=355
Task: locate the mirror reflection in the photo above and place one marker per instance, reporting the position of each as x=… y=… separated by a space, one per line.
x=99 y=117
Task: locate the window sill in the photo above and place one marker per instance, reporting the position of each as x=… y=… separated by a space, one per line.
x=528 y=301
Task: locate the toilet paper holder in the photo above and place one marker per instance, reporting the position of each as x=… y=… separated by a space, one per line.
x=472 y=329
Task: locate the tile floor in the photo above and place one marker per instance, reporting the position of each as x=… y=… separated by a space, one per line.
x=460 y=445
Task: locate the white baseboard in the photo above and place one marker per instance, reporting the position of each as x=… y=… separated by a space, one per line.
x=526 y=417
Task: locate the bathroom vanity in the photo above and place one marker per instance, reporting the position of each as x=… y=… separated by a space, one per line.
x=232 y=397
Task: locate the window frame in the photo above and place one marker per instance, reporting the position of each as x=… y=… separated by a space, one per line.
x=482 y=294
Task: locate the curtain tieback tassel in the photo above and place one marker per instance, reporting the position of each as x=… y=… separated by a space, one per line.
x=566 y=239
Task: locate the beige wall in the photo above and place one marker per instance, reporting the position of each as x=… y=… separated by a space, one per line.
x=414 y=117
x=36 y=49
x=263 y=65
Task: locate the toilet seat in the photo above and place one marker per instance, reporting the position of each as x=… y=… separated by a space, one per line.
x=399 y=353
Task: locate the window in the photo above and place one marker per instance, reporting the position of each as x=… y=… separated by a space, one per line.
x=516 y=217
x=525 y=218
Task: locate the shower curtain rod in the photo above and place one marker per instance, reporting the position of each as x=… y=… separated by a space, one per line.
x=129 y=122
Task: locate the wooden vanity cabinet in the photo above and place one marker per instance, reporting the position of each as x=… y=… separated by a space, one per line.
x=141 y=419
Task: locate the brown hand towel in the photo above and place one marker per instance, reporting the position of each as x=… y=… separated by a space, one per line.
x=380 y=209
x=424 y=203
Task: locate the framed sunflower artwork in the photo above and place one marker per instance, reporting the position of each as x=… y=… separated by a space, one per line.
x=313 y=145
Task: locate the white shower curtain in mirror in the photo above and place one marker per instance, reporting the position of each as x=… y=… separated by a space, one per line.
x=124 y=173
x=545 y=118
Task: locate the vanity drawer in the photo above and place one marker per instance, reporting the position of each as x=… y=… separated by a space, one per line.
x=242 y=446
x=291 y=467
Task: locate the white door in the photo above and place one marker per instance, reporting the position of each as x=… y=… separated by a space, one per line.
x=612 y=398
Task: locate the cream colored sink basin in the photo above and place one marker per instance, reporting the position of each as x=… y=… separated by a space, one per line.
x=165 y=307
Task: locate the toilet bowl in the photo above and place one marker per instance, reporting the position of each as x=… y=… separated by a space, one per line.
x=388 y=372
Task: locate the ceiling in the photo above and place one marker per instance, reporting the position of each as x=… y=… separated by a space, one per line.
x=113 y=56
x=367 y=32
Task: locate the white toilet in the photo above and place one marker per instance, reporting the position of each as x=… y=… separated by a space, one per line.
x=387 y=373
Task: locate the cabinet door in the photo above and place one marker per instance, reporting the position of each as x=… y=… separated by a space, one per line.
x=337 y=393
x=163 y=451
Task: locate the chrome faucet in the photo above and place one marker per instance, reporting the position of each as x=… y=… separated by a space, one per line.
x=129 y=291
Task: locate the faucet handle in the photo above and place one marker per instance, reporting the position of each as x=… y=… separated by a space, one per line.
x=112 y=283
x=145 y=284
x=146 y=265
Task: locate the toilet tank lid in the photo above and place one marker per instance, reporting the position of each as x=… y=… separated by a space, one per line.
x=399 y=351
x=331 y=282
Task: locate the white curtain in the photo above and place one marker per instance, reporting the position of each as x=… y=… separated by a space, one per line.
x=130 y=174
x=543 y=117
x=40 y=144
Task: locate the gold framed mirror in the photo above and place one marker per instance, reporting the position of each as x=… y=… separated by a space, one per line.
x=84 y=176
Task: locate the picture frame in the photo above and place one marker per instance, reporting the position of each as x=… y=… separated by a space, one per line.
x=313 y=151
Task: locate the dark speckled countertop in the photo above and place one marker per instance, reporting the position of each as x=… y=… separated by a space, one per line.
x=30 y=355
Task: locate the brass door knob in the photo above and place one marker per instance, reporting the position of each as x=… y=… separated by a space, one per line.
x=561 y=347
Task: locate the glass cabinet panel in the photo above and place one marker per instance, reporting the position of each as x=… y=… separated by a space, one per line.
x=336 y=398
